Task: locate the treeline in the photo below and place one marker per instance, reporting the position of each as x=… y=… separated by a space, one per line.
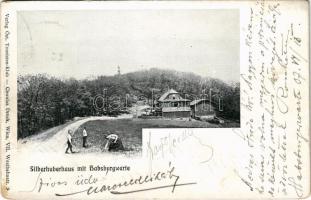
x=45 y=101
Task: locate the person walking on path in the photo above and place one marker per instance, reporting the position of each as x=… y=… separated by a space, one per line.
x=69 y=141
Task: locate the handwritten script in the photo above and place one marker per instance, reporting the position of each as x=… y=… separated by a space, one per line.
x=273 y=100
x=95 y=184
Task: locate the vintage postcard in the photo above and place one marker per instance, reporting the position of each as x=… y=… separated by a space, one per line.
x=155 y=100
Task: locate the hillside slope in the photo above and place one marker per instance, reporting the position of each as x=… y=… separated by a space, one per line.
x=45 y=102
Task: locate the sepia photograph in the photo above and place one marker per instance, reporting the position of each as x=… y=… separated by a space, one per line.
x=90 y=81
x=155 y=100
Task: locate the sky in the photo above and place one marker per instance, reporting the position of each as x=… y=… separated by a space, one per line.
x=81 y=44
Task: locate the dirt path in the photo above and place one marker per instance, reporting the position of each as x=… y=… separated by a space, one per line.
x=56 y=143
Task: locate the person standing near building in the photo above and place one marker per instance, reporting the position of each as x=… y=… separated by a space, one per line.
x=69 y=141
x=84 y=134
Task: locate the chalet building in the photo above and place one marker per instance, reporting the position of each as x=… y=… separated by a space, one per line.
x=202 y=108
x=173 y=105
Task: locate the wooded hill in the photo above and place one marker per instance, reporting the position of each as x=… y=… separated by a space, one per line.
x=45 y=101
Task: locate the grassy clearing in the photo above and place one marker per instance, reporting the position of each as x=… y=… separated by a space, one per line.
x=130 y=131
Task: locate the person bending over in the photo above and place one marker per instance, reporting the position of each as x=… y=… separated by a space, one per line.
x=114 y=143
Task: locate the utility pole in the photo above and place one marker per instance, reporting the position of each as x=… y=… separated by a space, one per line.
x=186 y=99
x=119 y=103
x=105 y=99
x=210 y=99
x=203 y=91
x=126 y=101
x=220 y=104
x=151 y=99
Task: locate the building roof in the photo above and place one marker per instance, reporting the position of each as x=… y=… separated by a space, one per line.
x=176 y=109
x=197 y=101
x=171 y=91
x=175 y=100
